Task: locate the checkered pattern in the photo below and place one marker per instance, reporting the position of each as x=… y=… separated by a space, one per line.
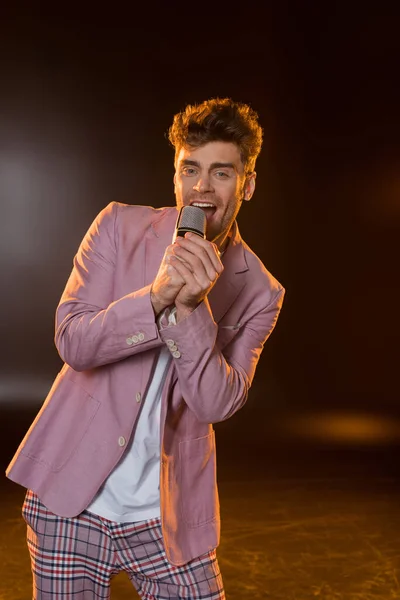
x=75 y=559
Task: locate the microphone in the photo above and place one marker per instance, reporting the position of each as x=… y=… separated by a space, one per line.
x=190 y=219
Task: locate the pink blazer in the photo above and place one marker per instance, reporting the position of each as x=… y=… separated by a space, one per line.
x=107 y=336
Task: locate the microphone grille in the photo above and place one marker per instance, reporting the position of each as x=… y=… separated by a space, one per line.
x=192 y=218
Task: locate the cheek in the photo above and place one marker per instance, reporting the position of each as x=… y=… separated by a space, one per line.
x=183 y=186
x=230 y=198
x=179 y=189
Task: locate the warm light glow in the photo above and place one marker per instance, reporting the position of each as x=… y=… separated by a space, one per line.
x=346 y=428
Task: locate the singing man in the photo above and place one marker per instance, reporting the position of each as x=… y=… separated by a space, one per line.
x=160 y=339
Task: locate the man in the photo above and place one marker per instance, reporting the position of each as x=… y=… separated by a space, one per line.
x=159 y=340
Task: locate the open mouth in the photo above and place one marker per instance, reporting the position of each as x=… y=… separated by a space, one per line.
x=207 y=207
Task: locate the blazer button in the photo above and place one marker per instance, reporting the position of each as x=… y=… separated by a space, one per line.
x=176 y=354
x=129 y=341
x=135 y=339
x=141 y=337
x=138 y=396
x=170 y=343
x=121 y=441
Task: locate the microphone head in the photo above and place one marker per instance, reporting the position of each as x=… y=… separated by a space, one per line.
x=191 y=218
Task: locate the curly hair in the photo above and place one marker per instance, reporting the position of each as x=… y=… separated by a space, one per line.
x=218 y=119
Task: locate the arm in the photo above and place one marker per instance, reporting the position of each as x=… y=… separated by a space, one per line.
x=215 y=384
x=92 y=329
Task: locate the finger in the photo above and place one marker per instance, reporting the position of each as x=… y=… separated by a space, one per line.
x=201 y=247
x=189 y=278
x=200 y=266
x=175 y=275
x=176 y=278
x=171 y=252
x=206 y=254
x=174 y=255
x=209 y=247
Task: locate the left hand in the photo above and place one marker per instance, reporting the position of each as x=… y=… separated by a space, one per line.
x=199 y=265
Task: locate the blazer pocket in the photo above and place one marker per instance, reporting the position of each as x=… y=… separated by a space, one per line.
x=199 y=493
x=60 y=425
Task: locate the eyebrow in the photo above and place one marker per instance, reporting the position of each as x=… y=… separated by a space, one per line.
x=214 y=165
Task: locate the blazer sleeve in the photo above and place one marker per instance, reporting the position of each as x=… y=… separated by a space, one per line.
x=91 y=329
x=215 y=383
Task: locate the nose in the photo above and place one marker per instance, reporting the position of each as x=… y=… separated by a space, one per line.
x=203 y=184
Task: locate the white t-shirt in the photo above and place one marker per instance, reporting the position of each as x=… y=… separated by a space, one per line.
x=132 y=490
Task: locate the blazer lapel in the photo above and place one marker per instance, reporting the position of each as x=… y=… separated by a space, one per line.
x=232 y=278
x=158 y=237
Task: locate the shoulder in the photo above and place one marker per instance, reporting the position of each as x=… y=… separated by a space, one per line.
x=122 y=216
x=121 y=211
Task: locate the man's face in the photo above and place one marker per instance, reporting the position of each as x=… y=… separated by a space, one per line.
x=213 y=178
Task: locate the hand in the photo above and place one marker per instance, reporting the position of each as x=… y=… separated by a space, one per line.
x=197 y=262
x=166 y=285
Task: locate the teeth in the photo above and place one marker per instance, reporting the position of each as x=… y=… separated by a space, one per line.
x=203 y=205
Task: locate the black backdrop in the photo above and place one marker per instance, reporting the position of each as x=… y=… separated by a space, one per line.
x=86 y=100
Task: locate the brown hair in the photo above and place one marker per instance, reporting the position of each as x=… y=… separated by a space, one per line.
x=219 y=120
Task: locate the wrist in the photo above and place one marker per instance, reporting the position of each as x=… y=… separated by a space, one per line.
x=183 y=311
x=157 y=304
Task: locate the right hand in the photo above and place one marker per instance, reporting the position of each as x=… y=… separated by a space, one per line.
x=167 y=284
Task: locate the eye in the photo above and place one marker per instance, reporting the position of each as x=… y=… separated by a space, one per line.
x=221 y=175
x=188 y=171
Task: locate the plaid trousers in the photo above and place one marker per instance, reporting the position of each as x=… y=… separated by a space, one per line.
x=75 y=558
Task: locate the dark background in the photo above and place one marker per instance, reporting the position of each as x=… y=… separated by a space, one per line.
x=87 y=97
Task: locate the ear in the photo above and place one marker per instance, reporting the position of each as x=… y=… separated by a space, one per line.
x=249 y=186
